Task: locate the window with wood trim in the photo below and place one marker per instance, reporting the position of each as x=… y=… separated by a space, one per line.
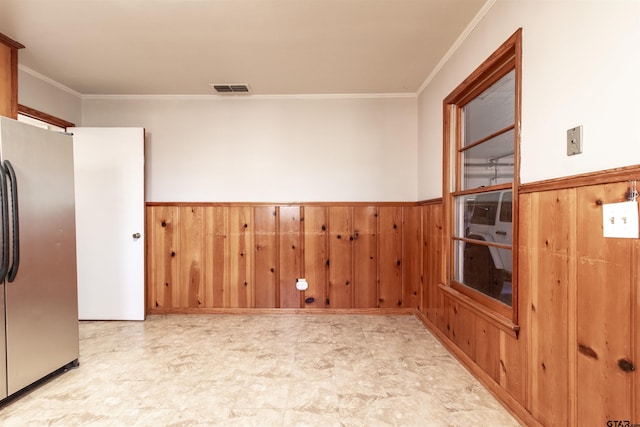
x=481 y=178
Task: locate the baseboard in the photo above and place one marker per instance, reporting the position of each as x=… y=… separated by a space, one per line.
x=316 y=311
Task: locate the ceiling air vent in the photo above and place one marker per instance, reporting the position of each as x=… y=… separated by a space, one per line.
x=235 y=89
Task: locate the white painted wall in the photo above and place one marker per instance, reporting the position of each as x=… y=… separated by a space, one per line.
x=36 y=91
x=580 y=67
x=275 y=150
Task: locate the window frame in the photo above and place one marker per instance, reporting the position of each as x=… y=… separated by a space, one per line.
x=506 y=58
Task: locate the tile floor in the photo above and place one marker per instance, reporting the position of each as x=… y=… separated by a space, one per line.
x=260 y=370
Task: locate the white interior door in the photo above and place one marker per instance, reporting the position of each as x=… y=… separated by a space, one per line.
x=109 y=185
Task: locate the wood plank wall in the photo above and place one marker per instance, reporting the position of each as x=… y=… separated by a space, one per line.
x=209 y=256
x=575 y=360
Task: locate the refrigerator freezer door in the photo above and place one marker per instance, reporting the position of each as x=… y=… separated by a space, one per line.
x=3 y=356
x=41 y=303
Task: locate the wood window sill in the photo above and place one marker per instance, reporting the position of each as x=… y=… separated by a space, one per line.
x=502 y=322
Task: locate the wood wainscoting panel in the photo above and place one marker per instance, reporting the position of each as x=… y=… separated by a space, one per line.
x=548 y=227
x=365 y=256
x=316 y=255
x=462 y=324
x=390 y=258
x=428 y=285
x=432 y=259
x=604 y=388
x=574 y=360
x=241 y=278
x=411 y=256
x=635 y=326
x=162 y=242
x=249 y=255
x=514 y=364
x=266 y=256
x=340 y=257
x=217 y=293
x=190 y=254
x=514 y=351
x=290 y=256
x=487 y=351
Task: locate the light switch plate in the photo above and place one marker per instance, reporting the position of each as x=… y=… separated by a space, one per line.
x=574 y=141
x=620 y=220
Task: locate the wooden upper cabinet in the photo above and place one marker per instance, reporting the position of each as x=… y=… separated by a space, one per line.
x=9 y=76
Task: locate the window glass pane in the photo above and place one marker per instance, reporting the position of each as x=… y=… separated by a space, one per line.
x=481 y=268
x=458 y=274
x=484 y=210
x=489 y=163
x=490 y=111
x=463 y=208
x=506 y=207
x=488 y=220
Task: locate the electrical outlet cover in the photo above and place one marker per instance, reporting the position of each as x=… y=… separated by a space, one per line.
x=302 y=284
x=620 y=220
x=574 y=141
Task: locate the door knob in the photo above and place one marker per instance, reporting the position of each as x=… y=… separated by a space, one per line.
x=136 y=235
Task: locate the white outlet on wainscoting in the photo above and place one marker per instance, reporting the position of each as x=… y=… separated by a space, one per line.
x=302 y=285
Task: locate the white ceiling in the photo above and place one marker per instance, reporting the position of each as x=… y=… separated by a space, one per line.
x=179 y=47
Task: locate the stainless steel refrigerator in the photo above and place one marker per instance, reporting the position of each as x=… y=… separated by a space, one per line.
x=38 y=286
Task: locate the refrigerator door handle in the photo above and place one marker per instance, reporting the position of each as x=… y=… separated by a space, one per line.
x=13 y=271
x=4 y=217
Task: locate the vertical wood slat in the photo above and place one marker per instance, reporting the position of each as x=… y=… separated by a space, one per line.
x=365 y=256
x=216 y=253
x=162 y=243
x=265 y=218
x=316 y=255
x=571 y=314
x=448 y=316
x=635 y=326
x=290 y=256
x=6 y=81
x=432 y=263
x=462 y=327
x=241 y=283
x=441 y=244
x=428 y=283
x=513 y=365
x=390 y=265
x=514 y=352
x=487 y=347
x=548 y=255
x=190 y=254
x=604 y=311
x=150 y=264
x=411 y=256
x=340 y=257
x=9 y=77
